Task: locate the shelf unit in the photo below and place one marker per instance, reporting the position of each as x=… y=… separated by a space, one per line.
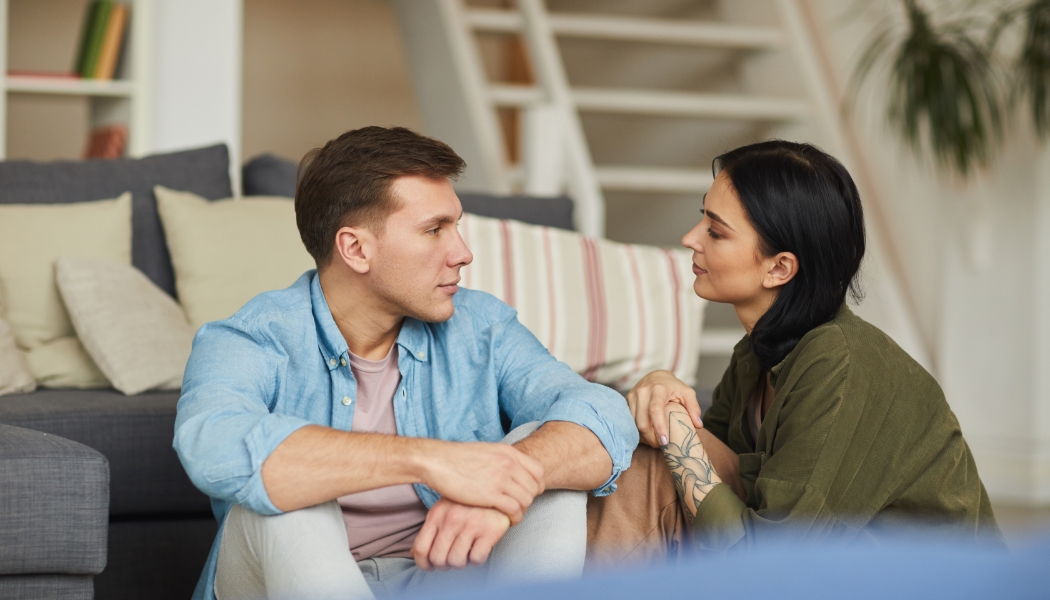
x=122 y=100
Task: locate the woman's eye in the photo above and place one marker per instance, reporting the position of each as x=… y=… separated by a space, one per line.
x=713 y=235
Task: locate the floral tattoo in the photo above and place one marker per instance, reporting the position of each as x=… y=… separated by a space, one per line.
x=694 y=476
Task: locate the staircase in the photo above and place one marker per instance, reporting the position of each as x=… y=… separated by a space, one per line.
x=597 y=115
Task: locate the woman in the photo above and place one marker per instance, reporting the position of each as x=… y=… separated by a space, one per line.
x=821 y=426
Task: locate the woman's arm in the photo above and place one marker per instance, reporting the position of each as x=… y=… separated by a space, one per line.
x=694 y=474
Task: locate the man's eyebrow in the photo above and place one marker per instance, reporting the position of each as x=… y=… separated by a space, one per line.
x=438 y=220
x=715 y=217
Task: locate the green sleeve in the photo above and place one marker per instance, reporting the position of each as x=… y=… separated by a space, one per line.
x=716 y=419
x=789 y=491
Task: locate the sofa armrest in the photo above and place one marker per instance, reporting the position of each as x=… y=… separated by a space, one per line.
x=54 y=504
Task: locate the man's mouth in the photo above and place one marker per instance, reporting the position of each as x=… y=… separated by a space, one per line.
x=452 y=288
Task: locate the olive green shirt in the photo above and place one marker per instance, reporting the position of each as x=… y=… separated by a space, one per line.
x=859 y=443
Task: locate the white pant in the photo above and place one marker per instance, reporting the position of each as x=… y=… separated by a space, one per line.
x=306 y=553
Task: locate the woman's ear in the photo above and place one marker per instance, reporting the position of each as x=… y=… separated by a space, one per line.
x=353 y=247
x=783 y=268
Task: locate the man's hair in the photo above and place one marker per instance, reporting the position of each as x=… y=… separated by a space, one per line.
x=347 y=182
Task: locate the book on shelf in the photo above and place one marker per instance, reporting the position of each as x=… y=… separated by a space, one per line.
x=101 y=39
x=108 y=141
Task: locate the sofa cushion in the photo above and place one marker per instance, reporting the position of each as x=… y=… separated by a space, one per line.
x=136 y=334
x=15 y=377
x=32 y=238
x=550 y=212
x=227 y=252
x=54 y=502
x=612 y=312
x=47 y=587
x=270 y=175
x=203 y=171
x=133 y=432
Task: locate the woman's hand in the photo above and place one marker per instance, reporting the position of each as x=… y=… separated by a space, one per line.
x=648 y=401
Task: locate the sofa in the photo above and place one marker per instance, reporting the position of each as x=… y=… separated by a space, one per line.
x=137 y=528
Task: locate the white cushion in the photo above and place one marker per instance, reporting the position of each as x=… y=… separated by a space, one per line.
x=613 y=312
x=136 y=334
x=32 y=237
x=226 y=252
x=15 y=377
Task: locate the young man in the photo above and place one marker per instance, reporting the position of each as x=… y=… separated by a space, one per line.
x=344 y=427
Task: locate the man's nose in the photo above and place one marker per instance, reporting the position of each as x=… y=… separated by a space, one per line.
x=461 y=255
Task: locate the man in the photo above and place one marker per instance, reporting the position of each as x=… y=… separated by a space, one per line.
x=344 y=427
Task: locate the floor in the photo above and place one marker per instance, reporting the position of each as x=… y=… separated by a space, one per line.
x=1022 y=524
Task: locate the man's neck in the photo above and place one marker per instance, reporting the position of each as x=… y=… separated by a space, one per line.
x=370 y=330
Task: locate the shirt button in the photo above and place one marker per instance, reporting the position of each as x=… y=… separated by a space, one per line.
x=346 y=400
x=342 y=361
x=331 y=362
x=421 y=355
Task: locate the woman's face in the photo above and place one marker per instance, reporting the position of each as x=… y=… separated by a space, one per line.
x=727 y=261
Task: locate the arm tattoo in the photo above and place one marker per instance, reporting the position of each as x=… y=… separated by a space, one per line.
x=694 y=476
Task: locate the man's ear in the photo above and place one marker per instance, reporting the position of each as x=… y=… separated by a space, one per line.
x=783 y=268
x=354 y=246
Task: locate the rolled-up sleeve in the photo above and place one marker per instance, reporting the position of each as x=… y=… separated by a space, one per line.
x=534 y=386
x=224 y=430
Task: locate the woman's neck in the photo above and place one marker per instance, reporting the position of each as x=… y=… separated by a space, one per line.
x=751 y=311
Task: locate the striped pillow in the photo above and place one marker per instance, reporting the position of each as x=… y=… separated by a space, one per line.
x=613 y=312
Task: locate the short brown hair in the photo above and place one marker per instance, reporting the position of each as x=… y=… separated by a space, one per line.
x=347 y=181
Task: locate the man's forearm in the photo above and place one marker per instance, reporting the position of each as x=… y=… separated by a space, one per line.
x=316 y=464
x=573 y=458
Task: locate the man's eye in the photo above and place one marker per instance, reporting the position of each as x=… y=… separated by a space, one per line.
x=434 y=231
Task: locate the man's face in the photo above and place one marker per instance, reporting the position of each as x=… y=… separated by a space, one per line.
x=416 y=266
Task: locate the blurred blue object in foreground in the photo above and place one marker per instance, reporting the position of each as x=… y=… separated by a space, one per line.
x=920 y=571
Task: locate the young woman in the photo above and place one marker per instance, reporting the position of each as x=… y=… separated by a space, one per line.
x=821 y=426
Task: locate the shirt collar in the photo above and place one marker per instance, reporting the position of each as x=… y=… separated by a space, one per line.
x=331 y=341
x=413 y=337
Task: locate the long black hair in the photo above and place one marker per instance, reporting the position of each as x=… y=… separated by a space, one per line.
x=800 y=200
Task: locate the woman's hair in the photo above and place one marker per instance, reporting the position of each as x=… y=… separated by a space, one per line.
x=800 y=200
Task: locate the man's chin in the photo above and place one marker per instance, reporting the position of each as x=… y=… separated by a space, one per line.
x=435 y=314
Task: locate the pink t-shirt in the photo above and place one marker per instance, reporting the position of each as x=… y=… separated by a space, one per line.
x=384 y=521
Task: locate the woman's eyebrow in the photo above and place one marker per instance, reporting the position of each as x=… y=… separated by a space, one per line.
x=715 y=217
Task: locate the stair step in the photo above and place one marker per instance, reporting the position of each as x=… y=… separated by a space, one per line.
x=719 y=341
x=636 y=29
x=653 y=179
x=661 y=103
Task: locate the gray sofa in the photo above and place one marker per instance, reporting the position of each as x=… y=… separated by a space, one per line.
x=159 y=526
x=54 y=504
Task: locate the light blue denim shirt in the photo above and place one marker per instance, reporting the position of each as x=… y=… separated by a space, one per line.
x=281 y=363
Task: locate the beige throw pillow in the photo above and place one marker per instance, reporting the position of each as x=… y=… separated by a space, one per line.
x=15 y=377
x=136 y=334
x=32 y=237
x=226 y=252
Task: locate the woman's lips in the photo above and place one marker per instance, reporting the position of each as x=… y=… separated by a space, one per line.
x=697 y=270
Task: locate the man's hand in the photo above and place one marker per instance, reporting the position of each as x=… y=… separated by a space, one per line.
x=456 y=535
x=648 y=400
x=485 y=475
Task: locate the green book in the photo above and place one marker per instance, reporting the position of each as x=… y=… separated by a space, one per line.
x=85 y=36
x=98 y=32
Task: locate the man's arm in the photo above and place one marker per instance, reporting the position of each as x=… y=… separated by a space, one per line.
x=316 y=464
x=572 y=457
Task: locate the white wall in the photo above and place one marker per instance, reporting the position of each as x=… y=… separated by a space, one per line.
x=976 y=259
x=196 y=76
